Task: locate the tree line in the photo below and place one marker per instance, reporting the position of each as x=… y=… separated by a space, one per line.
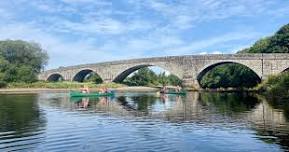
x=147 y=77
x=20 y=61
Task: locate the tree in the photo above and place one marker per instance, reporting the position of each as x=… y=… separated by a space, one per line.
x=21 y=61
x=93 y=77
x=260 y=46
x=278 y=43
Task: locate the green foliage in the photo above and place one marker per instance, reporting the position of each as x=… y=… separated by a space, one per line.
x=278 y=43
x=21 y=61
x=3 y=84
x=174 y=80
x=229 y=75
x=276 y=86
x=143 y=77
x=146 y=77
x=259 y=47
x=93 y=77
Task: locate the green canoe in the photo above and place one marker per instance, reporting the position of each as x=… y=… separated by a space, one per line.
x=176 y=93
x=92 y=94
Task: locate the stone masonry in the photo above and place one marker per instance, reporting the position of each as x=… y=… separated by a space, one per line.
x=189 y=69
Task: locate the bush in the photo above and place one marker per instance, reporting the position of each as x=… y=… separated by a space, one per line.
x=276 y=86
x=3 y=84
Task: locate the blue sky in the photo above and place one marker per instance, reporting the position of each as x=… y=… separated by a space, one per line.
x=88 y=31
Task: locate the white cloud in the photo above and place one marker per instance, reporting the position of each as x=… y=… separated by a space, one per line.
x=109 y=26
x=187 y=13
x=98 y=2
x=83 y=31
x=61 y=52
x=196 y=46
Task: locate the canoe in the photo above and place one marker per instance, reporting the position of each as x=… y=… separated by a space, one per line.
x=78 y=99
x=92 y=94
x=176 y=93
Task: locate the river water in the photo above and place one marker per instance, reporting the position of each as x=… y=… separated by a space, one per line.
x=143 y=122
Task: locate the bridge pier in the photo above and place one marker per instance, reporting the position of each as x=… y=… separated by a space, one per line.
x=107 y=80
x=191 y=84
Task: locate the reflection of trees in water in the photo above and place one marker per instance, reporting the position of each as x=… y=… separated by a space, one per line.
x=123 y=102
x=143 y=103
x=21 y=117
x=138 y=105
x=268 y=118
x=269 y=122
x=204 y=108
x=19 y=112
x=272 y=121
x=280 y=104
x=211 y=109
x=230 y=103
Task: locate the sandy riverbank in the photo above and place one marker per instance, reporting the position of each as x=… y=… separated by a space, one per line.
x=38 y=90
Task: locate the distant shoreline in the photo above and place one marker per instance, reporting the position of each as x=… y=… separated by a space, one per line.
x=119 y=89
x=39 y=90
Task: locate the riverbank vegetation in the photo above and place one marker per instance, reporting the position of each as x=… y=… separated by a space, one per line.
x=147 y=77
x=276 y=86
x=20 y=61
x=232 y=76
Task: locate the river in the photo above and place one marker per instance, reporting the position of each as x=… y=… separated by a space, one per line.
x=143 y=122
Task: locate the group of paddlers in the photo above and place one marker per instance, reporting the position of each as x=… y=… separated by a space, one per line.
x=85 y=89
x=164 y=89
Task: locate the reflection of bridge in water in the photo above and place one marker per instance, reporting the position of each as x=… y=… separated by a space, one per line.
x=206 y=110
x=180 y=109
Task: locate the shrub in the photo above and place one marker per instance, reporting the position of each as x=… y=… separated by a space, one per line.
x=3 y=84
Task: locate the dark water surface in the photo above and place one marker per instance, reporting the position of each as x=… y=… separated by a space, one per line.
x=143 y=122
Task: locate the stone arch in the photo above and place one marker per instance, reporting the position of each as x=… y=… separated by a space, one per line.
x=209 y=67
x=81 y=74
x=54 y=77
x=124 y=73
x=285 y=70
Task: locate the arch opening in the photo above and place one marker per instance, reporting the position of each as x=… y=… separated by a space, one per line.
x=55 y=78
x=285 y=71
x=147 y=75
x=87 y=75
x=228 y=75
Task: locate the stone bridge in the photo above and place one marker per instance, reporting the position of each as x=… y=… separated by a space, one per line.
x=189 y=68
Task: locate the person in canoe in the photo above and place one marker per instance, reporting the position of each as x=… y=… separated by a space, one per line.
x=164 y=89
x=178 y=88
x=103 y=90
x=84 y=89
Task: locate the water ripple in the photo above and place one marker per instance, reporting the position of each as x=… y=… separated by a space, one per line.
x=142 y=122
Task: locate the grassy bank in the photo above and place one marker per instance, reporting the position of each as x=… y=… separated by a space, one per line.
x=61 y=85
